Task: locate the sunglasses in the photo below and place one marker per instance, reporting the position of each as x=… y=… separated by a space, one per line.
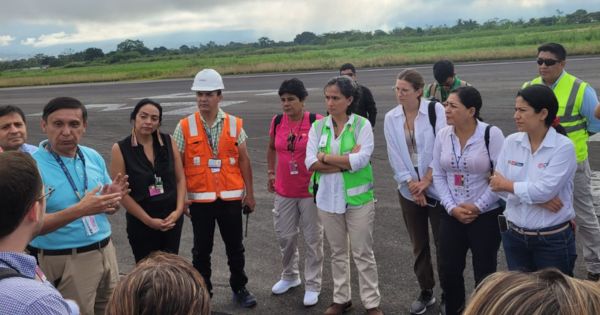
x=291 y=142
x=548 y=62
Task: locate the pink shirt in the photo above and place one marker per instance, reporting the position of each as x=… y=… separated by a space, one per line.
x=287 y=184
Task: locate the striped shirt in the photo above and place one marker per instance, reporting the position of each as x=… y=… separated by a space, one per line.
x=20 y=295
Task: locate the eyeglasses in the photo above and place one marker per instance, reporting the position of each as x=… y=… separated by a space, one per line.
x=402 y=91
x=548 y=62
x=47 y=194
x=291 y=142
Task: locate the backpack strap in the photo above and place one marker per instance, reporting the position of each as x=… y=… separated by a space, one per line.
x=276 y=123
x=432 y=115
x=486 y=137
x=6 y=273
x=312 y=117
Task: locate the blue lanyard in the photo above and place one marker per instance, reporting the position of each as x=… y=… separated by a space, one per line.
x=456 y=158
x=68 y=175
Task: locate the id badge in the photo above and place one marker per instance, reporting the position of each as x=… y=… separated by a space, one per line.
x=91 y=227
x=293 y=167
x=215 y=165
x=323 y=141
x=459 y=180
x=414 y=158
x=155 y=190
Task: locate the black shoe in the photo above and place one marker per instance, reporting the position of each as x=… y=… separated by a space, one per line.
x=420 y=305
x=593 y=276
x=244 y=298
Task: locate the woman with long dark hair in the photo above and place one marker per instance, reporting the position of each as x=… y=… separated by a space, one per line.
x=157 y=198
x=535 y=174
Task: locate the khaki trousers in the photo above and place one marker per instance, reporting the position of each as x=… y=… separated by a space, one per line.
x=352 y=229
x=291 y=215
x=87 y=278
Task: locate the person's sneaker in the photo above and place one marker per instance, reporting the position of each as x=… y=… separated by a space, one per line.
x=244 y=298
x=283 y=286
x=425 y=299
x=311 y=298
x=593 y=276
x=338 y=309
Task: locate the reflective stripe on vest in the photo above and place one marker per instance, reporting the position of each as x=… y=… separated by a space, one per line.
x=569 y=91
x=358 y=185
x=203 y=183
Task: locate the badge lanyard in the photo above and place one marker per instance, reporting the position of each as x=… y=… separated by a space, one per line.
x=458 y=177
x=68 y=174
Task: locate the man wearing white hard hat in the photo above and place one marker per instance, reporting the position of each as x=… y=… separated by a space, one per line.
x=219 y=181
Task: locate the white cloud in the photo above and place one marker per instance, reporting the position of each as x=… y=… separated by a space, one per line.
x=77 y=22
x=5 y=40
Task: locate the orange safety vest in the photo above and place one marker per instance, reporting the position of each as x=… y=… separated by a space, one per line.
x=203 y=183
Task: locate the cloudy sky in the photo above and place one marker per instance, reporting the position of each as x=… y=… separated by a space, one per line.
x=28 y=27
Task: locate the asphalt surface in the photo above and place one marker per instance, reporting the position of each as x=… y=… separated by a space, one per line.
x=254 y=98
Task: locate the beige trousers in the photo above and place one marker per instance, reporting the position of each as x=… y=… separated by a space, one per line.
x=87 y=278
x=353 y=229
x=291 y=215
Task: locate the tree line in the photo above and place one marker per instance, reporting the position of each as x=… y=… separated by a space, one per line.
x=132 y=50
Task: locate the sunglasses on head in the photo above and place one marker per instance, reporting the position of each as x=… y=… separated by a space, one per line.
x=548 y=62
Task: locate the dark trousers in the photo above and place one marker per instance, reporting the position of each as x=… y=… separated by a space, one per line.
x=228 y=215
x=482 y=237
x=417 y=220
x=145 y=240
x=534 y=252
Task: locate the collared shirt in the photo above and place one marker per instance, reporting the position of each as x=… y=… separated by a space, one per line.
x=442 y=92
x=463 y=177
x=74 y=234
x=331 y=193
x=397 y=149
x=215 y=129
x=588 y=106
x=28 y=148
x=20 y=295
x=537 y=178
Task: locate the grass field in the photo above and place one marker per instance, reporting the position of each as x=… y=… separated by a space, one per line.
x=388 y=51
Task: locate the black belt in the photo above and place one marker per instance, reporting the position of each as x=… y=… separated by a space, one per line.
x=69 y=251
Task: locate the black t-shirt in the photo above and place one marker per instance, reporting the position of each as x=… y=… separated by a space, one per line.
x=141 y=175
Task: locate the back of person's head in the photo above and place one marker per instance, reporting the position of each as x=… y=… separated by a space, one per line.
x=348 y=66
x=160 y=284
x=295 y=87
x=545 y=292
x=348 y=88
x=21 y=185
x=63 y=102
x=143 y=102
x=470 y=97
x=556 y=49
x=413 y=77
x=442 y=70
x=540 y=97
x=9 y=109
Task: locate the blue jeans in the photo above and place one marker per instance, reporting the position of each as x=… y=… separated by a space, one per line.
x=535 y=252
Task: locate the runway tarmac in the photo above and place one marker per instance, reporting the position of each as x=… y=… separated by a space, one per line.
x=254 y=98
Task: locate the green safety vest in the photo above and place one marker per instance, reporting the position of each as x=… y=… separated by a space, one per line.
x=569 y=92
x=358 y=185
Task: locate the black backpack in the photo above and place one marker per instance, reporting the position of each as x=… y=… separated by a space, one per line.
x=311 y=118
x=432 y=115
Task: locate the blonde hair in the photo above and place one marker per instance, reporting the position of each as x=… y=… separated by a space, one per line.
x=162 y=283
x=545 y=292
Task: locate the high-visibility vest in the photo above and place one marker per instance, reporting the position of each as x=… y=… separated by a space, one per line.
x=203 y=183
x=358 y=185
x=569 y=92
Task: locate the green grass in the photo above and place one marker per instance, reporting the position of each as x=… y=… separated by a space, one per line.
x=387 y=51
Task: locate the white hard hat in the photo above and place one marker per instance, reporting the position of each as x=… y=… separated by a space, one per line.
x=208 y=80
